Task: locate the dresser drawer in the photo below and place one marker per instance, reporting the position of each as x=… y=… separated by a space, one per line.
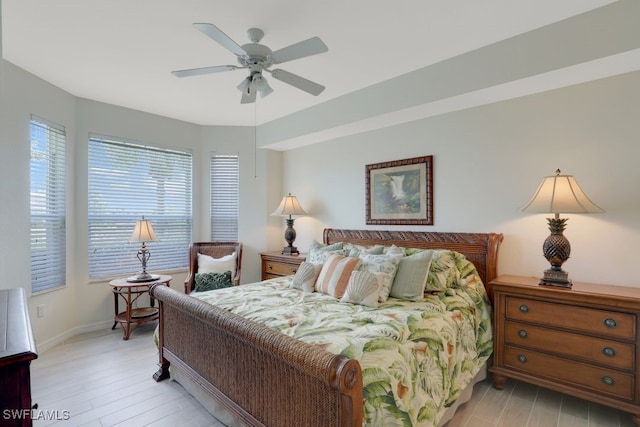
x=589 y=320
x=278 y=268
x=601 y=380
x=599 y=350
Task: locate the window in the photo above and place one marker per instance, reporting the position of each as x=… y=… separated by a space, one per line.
x=48 y=205
x=127 y=181
x=225 y=185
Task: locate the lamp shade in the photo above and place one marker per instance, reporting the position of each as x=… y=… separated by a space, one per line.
x=560 y=194
x=143 y=232
x=289 y=206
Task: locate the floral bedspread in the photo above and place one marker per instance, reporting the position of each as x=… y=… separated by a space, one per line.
x=416 y=357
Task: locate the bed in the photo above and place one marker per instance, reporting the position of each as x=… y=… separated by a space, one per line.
x=250 y=372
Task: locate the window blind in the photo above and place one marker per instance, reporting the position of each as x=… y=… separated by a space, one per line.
x=225 y=189
x=128 y=180
x=48 y=205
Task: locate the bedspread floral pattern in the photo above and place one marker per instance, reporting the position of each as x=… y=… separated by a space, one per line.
x=416 y=356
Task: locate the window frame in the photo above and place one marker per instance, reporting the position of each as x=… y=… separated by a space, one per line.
x=137 y=180
x=48 y=244
x=224 y=192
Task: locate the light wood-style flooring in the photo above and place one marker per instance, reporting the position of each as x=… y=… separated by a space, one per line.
x=98 y=379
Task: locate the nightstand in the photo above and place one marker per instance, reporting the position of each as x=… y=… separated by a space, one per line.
x=581 y=341
x=274 y=264
x=133 y=316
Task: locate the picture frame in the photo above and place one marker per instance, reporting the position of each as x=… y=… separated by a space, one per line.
x=400 y=192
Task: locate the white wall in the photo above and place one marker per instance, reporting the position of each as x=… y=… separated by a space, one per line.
x=83 y=305
x=488 y=161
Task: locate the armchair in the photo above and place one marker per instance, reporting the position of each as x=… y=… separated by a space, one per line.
x=215 y=250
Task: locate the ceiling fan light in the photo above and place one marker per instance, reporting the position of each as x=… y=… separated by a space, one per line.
x=258 y=82
x=266 y=91
x=244 y=85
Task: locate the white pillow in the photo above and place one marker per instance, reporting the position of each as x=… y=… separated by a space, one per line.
x=305 y=277
x=362 y=289
x=208 y=264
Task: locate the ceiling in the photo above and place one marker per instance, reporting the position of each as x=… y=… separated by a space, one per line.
x=121 y=52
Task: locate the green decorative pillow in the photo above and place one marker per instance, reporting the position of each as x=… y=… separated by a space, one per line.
x=211 y=281
x=443 y=272
x=318 y=252
x=411 y=278
x=356 y=250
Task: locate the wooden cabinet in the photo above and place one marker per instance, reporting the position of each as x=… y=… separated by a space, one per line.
x=582 y=341
x=274 y=264
x=17 y=350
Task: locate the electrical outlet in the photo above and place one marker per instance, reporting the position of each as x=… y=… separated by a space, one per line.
x=41 y=310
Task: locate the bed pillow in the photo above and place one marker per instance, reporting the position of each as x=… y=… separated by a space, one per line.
x=411 y=277
x=443 y=272
x=353 y=250
x=363 y=289
x=209 y=264
x=335 y=273
x=211 y=281
x=394 y=250
x=318 y=252
x=305 y=277
x=385 y=266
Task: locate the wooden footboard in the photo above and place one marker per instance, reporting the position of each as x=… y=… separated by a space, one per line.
x=261 y=376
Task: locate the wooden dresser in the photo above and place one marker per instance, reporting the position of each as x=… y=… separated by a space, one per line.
x=17 y=350
x=274 y=264
x=582 y=341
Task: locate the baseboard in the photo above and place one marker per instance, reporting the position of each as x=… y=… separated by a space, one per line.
x=45 y=345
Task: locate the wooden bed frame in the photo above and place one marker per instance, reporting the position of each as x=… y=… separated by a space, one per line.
x=262 y=377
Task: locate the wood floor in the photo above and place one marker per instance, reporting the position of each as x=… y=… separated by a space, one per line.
x=98 y=379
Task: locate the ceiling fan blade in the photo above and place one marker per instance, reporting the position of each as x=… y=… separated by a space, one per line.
x=312 y=46
x=204 y=70
x=216 y=34
x=297 y=81
x=248 y=97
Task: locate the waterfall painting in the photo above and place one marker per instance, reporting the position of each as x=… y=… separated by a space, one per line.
x=400 y=192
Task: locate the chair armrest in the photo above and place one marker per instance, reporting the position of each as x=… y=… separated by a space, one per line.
x=188 y=283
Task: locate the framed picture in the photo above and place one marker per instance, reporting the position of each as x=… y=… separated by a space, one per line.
x=400 y=192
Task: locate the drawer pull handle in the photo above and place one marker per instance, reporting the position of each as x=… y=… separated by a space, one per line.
x=523 y=359
x=610 y=323
x=294 y=270
x=608 y=380
x=609 y=352
x=524 y=308
x=522 y=333
x=270 y=266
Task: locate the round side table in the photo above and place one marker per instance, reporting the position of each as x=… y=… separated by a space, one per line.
x=133 y=317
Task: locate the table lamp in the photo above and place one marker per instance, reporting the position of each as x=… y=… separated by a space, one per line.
x=142 y=233
x=289 y=206
x=558 y=194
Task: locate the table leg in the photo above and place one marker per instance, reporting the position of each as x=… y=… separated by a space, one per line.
x=115 y=304
x=127 y=326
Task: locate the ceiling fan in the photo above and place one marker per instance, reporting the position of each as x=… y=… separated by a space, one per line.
x=257 y=59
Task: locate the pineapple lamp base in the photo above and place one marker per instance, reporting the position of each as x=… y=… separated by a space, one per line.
x=556 y=249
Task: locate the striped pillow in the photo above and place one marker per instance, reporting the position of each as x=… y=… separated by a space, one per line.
x=335 y=273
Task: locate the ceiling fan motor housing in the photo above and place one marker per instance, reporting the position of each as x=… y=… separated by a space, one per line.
x=257 y=54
